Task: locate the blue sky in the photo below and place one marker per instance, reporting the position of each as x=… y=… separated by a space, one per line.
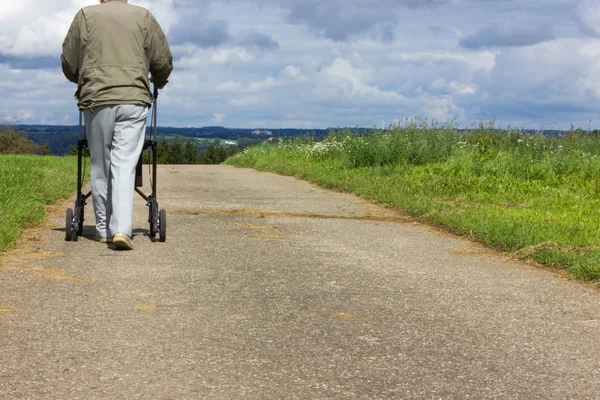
x=328 y=63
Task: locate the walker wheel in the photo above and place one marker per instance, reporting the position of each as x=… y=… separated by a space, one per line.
x=69 y=225
x=153 y=218
x=81 y=219
x=162 y=225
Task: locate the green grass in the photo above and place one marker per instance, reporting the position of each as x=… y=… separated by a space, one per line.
x=28 y=185
x=533 y=195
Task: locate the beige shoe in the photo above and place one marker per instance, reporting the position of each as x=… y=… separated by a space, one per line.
x=122 y=241
x=102 y=239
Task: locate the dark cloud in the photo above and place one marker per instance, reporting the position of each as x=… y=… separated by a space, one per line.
x=508 y=35
x=30 y=63
x=259 y=40
x=587 y=16
x=386 y=32
x=340 y=19
x=202 y=34
x=215 y=34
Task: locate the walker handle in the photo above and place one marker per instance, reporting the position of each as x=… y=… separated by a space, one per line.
x=154 y=113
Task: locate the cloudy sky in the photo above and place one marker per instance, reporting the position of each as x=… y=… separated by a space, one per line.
x=332 y=63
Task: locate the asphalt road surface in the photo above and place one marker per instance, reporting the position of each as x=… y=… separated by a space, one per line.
x=271 y=288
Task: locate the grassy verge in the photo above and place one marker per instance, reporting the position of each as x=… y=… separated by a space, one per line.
x=536 y=196
x=28 y=184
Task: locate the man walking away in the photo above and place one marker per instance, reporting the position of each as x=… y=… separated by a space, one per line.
x=108 y=52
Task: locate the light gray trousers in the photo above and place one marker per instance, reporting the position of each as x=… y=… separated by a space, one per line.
x=115 y=135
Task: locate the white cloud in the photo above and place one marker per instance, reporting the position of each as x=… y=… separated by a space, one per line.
x=483 y=60
x=268 y=84
x=22 y=116
x=231 y=55
x=32 y=28
x=41 y=36
x=192 y=57
x=163 y=10
x=229 y=86
x=442 y=109
x=343 y=73
x=293 y=72
x=453 y=87
x=247 y=101
x=218 y=118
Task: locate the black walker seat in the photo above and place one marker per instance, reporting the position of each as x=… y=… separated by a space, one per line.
x=156 y=218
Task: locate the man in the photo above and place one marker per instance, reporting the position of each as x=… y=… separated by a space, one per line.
x=109 y=51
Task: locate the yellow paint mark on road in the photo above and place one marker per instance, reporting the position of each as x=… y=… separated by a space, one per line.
x=254 y=227
x=147 y=307
x=6 y=310
x=343 y=315
x=137 y=294
x=56 y=274
x=381 y=216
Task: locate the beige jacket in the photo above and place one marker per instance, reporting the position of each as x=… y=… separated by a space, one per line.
x=110 y=49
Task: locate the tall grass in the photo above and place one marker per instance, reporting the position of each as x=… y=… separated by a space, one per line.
x=27 y=185
x=535 y=195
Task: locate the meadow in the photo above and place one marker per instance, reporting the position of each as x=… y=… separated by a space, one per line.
x=29 y=183
x=534 y=196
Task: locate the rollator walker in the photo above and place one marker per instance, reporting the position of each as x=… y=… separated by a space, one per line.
x=156 y=218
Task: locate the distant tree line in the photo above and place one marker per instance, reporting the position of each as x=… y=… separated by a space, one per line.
x=176 y=152
x=188 y=152
x=60 y=138
x=13 y=141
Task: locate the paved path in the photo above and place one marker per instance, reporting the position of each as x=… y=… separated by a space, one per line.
x=271 y=288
